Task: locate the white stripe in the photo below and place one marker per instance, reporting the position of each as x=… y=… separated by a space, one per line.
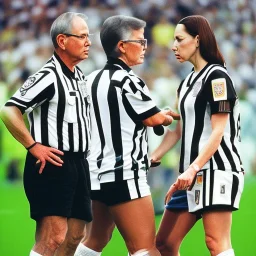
x=132 y=189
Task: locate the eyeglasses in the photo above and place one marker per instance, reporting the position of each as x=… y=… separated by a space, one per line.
x=82 y=37
x=143 y=42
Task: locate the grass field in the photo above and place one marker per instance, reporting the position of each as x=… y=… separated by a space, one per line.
x=17 y=230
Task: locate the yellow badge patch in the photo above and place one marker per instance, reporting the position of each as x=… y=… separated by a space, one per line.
x=219 y=89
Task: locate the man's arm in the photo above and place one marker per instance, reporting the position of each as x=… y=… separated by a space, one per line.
x=163 y=117
x=13 y=120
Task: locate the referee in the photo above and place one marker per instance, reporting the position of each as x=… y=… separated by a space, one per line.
x=121 y=110
x=56 y=175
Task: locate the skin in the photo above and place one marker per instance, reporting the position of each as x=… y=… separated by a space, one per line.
x=175 y=225
x=53 y=232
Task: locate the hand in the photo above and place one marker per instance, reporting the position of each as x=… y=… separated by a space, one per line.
x=46 y=154
x=173 y=114
x=185 y=180
x=170 y=192
x=155 y=161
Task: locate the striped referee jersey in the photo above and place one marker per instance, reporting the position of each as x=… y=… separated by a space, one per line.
x=201 y=95
x=55 y=100
x=119 y=141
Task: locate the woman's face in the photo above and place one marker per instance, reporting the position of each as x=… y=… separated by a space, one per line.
x=134 y=48
x=185 y=46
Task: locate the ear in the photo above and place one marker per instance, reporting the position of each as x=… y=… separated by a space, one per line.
x=121 y=47
x=197 y=41
x=61 y=41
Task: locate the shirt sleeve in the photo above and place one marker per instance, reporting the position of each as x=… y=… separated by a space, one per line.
x=220 y=92
x=137 y=100
x=37 y=89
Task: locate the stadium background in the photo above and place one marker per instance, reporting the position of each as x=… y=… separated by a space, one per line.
x=25 y=46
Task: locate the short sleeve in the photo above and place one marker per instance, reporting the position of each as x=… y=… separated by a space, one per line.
x=137 y=100
x=219 y=92
x=37 y=89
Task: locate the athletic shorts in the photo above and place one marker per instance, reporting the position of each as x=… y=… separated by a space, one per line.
x=179 y=202
x=216 y=189
x=59 y=191
x=112 y=193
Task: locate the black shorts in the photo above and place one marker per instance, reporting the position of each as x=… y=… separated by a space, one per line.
x=59 y=191
x=112 y=193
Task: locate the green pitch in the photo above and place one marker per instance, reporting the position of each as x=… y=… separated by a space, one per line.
x=17 y=230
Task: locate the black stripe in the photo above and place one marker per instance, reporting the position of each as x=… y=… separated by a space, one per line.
x=79 y=120
x=60 y=109
x=19 y=101
x=71 y=137
x=183 y=114
x=137 y=187
x=234 y=130
x=116 y=132
x=204 y=188
x=211 y=184
x=234 y=190
x=44 y=123
x=200 y=109
x=32 y=125
x=218 y=160
x=228 y=155
x=94 y=89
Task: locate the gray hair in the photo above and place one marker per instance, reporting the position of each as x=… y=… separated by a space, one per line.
x=116 y=28
x=63 y=24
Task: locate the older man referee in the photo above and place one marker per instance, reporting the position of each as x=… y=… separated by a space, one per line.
x=56 y=176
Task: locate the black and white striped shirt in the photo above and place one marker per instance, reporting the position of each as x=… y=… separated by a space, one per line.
x=120 y=102
x=201 y=95
x=56 y=102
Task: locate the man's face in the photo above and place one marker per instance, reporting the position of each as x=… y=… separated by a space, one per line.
x=78 y=42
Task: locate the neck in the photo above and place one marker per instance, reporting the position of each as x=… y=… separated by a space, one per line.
x=68 y=61
x=198 y=62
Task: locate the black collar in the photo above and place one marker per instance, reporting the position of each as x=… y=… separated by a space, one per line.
x=115 y=61
x=64 y=68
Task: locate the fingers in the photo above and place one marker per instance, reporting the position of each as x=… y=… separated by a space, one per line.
x=42 y=167
x=170 y=192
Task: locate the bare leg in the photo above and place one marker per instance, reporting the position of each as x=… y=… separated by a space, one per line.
x=99 y=231
x=50 y=233
x=173 y=228
x=217 y=226
x=75 y=233
x=136 y=223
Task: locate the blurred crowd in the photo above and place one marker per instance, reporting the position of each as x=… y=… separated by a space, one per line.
x=25 y=46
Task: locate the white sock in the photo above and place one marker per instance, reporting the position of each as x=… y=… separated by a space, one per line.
x=141 y=253
x=33 y=253
x=82 y=250
x=229 y=252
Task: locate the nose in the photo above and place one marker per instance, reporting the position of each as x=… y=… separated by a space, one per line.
x=174 y=48
x=88 y=42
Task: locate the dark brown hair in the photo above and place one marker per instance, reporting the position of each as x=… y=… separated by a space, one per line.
x=199 y=25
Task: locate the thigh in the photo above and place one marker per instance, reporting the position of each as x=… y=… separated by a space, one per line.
x=217 y=225
x=99 y=231
x=174 y=226
x=136 y=222
x=47 y=228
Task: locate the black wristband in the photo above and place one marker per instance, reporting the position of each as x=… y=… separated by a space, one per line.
x=31 y=146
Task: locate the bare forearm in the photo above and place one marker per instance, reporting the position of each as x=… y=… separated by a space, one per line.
x=169 y=141
x=14 y=122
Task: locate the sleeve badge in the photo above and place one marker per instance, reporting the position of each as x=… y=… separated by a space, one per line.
x=219 y=89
